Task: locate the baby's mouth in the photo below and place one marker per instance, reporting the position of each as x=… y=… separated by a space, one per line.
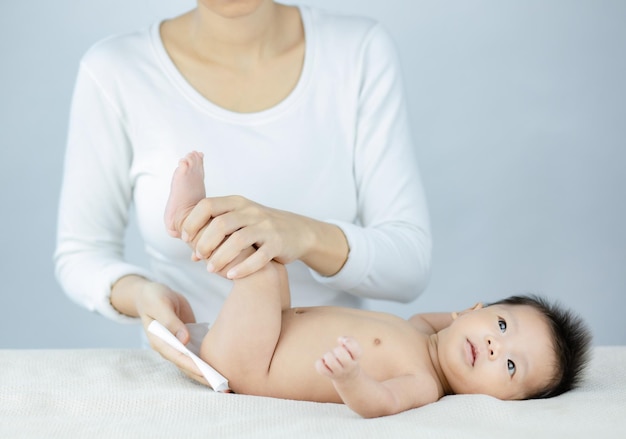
x=473 y=352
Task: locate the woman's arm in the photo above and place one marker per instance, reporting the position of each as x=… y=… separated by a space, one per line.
x=390 y=242
x=95 y=198
x=93 y=215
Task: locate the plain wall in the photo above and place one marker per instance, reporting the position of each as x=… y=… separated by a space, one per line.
x=518 y=112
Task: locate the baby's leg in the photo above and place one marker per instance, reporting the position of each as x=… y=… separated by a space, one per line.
x=242 y=341
x=186 y=191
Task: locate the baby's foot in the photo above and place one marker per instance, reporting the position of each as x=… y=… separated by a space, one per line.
x=186 y=191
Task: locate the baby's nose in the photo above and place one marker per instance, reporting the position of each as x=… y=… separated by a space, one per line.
x=493 y=348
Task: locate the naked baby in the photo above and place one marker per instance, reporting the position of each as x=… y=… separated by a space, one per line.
x=376 y=363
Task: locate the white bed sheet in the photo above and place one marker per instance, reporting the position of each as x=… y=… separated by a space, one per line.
x=136 y=394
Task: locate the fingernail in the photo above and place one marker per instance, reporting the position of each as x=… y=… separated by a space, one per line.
x=231 y=273
x=181 y=335
x=210 y=268
x=184 y=236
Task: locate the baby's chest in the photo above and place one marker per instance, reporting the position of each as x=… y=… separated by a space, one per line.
x=391 y=354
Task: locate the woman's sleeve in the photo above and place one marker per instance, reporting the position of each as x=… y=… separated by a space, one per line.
x=95 y=199
x=390 y=248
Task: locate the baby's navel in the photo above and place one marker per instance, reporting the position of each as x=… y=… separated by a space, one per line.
x=377 y=341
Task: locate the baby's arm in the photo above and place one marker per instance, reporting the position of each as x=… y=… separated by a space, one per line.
x=366 y=396
x=431 y=323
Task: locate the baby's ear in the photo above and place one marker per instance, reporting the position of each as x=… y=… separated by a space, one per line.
x=479 y=305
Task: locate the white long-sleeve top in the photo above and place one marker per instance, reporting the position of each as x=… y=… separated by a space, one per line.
x=337 y=149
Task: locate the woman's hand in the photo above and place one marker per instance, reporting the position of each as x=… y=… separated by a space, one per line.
x=158 y=302
x=221 y=228
x=150 y=301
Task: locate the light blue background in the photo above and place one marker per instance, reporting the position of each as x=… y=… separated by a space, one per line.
x=519 y=115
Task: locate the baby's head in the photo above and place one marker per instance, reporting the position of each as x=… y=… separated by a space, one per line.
x=571 y=342
x=522 y=347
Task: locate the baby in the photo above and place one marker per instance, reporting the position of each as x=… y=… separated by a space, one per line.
x=376 y=363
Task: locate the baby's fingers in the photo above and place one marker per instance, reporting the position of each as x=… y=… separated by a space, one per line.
x=321 y=368
x=331 y=362
x=352 y=347
x=342 y=356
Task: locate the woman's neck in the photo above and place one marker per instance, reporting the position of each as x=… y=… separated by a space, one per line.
x=237 y=40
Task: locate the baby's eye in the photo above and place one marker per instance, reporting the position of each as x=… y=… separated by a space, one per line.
x=511 y=367
x=502 y=325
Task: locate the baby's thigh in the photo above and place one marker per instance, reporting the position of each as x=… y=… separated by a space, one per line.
x=245 y=368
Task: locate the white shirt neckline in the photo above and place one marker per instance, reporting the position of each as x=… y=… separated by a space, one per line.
x=180 y=82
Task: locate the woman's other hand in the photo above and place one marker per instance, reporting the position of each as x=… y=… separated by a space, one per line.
x=139 y=297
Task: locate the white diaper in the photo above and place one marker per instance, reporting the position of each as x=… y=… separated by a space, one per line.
x=197 y=331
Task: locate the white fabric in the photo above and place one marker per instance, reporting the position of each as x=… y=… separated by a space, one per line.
x=338 y=148
x=197 y=330
x=137 y=394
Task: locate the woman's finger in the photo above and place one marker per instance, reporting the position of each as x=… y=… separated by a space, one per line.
x=199 y=378
x=230 y=249
x=179 y=359
x=203 y=212
x=220 y=229
x=251 y=264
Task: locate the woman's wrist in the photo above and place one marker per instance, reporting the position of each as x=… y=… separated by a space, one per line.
x=124 y=294
x=327 y=249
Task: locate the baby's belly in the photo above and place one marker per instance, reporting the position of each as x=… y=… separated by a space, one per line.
x=391 y=347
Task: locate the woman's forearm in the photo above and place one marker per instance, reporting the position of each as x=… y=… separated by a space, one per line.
x=124 y=294
x=328 y=248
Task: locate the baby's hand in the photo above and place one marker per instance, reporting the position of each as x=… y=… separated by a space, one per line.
x=342 y=362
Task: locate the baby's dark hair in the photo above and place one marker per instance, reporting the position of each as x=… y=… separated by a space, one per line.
x=572 y=342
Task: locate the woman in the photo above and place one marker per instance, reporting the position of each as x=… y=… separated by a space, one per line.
x=301 y=119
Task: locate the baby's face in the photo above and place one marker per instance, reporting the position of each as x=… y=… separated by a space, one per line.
x=502 y=350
